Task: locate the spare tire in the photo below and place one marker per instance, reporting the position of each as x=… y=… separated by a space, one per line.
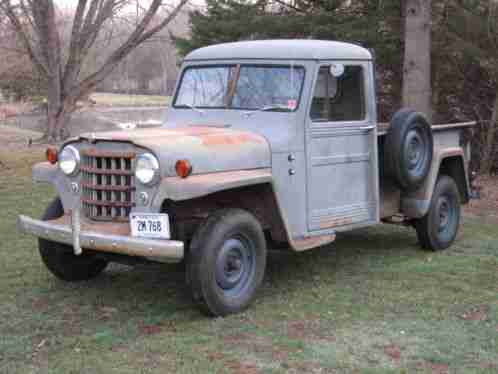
x=409 y=149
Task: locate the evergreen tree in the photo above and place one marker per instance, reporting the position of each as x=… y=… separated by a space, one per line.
x=373 y=24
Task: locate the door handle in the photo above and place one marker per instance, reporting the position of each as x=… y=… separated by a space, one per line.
x=367 y=127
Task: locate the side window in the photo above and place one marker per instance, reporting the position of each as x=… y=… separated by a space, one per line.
x=339 y=98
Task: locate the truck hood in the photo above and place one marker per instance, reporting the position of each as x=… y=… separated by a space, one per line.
x=209 y=149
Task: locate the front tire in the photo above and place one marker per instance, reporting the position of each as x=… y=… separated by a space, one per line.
x=438 y=229
x=60 y=259
x=226 y=262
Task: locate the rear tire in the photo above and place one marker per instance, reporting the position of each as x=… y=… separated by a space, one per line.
x=60 y=258
x=438 y=229
x=226 y=262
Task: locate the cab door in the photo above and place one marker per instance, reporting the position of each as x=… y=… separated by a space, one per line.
x=341 y=148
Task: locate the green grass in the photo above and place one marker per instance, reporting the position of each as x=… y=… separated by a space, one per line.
x=371 y=303
x=130 y=100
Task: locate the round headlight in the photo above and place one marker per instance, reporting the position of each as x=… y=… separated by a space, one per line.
x=147 y=169
x=69 y=160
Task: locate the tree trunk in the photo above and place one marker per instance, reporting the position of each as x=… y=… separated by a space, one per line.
x=143 y=85
x=487 y=154
x=58 y=117
x=417 y=59
x=54 y=107
x=50 y=42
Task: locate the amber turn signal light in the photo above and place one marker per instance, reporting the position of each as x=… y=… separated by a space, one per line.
x=183 y=168
x=51 y=154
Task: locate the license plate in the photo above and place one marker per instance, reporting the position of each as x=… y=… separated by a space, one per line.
x=150 y=225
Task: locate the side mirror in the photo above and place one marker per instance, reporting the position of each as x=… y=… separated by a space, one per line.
x=336 y=70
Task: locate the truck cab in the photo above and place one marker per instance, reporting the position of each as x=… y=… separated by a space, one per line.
x=266 y=143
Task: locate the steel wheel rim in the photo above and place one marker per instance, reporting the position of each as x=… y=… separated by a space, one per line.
x=446 y=217
x=415 y=154
x=235 y=266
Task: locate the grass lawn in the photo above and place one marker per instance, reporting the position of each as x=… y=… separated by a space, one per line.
x=111 y=99
x=373 y=302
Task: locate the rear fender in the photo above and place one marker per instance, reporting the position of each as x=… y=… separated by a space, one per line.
x=448 y=161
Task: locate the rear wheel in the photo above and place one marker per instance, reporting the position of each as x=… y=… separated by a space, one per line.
x=226 y=262
x=438 y=228
x=60 y=259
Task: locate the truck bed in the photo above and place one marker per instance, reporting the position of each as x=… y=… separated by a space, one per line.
x=383 y=127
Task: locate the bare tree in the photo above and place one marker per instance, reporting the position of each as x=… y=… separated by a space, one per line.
x=417 y=61
x=35 y=22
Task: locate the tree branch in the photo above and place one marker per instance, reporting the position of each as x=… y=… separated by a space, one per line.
x=74 y=45
x=14 y=19
x=138 y=36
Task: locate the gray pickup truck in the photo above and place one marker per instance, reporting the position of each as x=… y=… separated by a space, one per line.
x=266 y=144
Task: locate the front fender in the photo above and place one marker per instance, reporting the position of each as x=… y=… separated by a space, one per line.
x=45 y=172
x=178 y=189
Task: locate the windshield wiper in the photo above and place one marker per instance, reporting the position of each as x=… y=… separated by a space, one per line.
x=269 y=108
x=191 y=107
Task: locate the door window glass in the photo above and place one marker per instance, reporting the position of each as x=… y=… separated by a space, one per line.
x=339 y=99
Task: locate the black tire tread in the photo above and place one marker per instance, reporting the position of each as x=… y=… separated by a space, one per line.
x=423 y=225
x=393 y=147
x=201 y=240
x=58 y=258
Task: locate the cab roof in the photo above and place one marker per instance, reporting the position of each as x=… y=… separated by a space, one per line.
x=283 y=49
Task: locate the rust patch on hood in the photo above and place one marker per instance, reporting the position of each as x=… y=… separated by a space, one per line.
x=208 y=136
x=209 y=149
x=229 y=140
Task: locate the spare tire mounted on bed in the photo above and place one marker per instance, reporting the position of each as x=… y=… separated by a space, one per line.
x=409 y=149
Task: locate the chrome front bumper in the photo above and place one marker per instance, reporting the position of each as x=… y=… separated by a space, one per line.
x=165 y=250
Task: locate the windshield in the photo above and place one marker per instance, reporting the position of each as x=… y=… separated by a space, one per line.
x=249 y=87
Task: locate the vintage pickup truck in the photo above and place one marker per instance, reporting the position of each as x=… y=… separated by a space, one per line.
x=266 y=143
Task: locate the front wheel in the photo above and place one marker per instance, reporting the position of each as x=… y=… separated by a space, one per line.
x=226 y=262
x=438 y=228
x=60 y=259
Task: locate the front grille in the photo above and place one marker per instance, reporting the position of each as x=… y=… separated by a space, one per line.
x=108 y=184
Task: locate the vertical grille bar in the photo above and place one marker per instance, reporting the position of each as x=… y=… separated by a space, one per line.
x=108 y=184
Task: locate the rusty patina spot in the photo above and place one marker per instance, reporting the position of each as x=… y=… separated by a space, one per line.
x=309 y=243
x=328 y=223
x=209 y=136
x=94 y=152
x=230 y=139
x=105 y=228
